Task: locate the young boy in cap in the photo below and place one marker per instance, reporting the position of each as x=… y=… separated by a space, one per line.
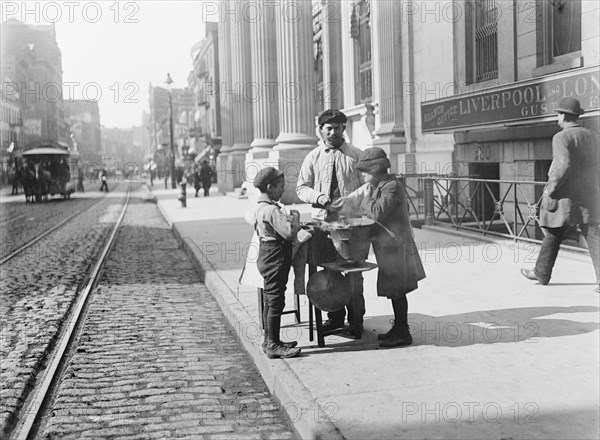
x=276 y=232
x=382 y=199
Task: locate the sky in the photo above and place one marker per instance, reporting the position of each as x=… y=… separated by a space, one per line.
x=112 y=51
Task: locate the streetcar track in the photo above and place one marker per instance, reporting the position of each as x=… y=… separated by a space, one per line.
x=33 y=411
x=12 y=219
x=43 y=234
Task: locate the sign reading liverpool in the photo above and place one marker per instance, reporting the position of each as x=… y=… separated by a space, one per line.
x=514 y=102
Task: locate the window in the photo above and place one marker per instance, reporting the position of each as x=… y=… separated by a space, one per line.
x=562 y=26
x=485 y=34
x=360 y=30
x=558 y=36
x=317 y=11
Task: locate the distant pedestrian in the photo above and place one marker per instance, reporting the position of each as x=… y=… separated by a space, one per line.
x=80 y=179
x=197 y=182
x=276 y=232
x=206 y=174
x=571 y=196
x=104 y=178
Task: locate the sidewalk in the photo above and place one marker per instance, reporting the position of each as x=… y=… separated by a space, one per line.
x=494 y=355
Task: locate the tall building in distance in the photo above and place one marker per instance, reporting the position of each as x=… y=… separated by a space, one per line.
x=31 y=71
x=203 y=82
x=118 y=148
x=141 y=138
x=182 y=101
x=84 y=122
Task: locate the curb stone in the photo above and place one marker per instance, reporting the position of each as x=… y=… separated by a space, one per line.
x=281 y=380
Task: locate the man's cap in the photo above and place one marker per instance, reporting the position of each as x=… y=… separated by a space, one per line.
x=331 y=116
x=570 y=106
x=266 y=176
x=373 y=160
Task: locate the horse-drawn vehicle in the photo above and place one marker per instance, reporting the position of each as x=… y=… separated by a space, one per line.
x=46 y=172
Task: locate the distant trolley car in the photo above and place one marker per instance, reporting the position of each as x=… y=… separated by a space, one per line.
x=46 y=171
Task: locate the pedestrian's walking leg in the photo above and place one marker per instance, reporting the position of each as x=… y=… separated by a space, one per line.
x=549 y=252
x=591 y=234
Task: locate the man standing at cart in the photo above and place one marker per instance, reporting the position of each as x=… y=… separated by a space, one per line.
x=328 y=173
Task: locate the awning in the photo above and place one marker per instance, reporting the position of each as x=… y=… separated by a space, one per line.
x=45 y=150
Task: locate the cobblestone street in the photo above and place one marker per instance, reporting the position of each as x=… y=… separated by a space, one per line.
x=155 y=357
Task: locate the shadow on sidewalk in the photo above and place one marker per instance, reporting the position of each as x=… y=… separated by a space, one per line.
x=526 y=325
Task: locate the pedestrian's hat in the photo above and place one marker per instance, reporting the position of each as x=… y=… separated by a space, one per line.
x=373 y=160
x=267 y=176
x=330 y=116
x=570 y=106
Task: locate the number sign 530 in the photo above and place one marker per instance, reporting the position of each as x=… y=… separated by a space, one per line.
x=483 y=152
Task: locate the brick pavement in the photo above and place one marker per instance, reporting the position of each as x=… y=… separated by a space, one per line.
x=494 y=355
x=155 y=357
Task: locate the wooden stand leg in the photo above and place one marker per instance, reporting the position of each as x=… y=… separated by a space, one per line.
x=310 y=322
x=260 y=308
x=297 y=307
x=319 y=320
x=312 y=269
x=354 y=279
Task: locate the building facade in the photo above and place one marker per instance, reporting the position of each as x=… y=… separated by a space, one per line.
x=207 y=100
x=32 y=72
x=453 y=86
x=84 y=123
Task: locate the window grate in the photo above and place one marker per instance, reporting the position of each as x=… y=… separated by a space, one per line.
x=486 y=40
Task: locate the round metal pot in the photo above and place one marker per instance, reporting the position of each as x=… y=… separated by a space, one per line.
x=351 y=238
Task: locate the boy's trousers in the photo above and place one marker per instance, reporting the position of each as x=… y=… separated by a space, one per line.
x=274 y=261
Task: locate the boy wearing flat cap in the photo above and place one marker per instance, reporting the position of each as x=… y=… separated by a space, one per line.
x=276 y=232
x=382 y=199
x=327 y=174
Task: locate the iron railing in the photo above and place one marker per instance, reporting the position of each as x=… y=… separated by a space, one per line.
x=507 y=208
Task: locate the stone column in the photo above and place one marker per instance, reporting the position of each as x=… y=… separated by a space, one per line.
x=297 y=82
x=241 y=78
x=265 y=104
x=333 y=91
x=225 y=172
x=349 y=84
x=387 y=80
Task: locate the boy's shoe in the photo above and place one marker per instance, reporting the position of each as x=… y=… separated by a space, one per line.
x=382 y=336
x=281 y=351
x=290 y=344
x=396 y=339
x=330 y=324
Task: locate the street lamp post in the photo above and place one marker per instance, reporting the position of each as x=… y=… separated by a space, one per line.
x=169 y=81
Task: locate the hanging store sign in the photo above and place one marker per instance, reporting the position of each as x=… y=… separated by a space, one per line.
x=514 y=102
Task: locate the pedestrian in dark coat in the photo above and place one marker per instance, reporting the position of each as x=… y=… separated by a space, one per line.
x=572 y=194
x=197 y=181
x=382 y=199
x=104 y=178
x=206 y=174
